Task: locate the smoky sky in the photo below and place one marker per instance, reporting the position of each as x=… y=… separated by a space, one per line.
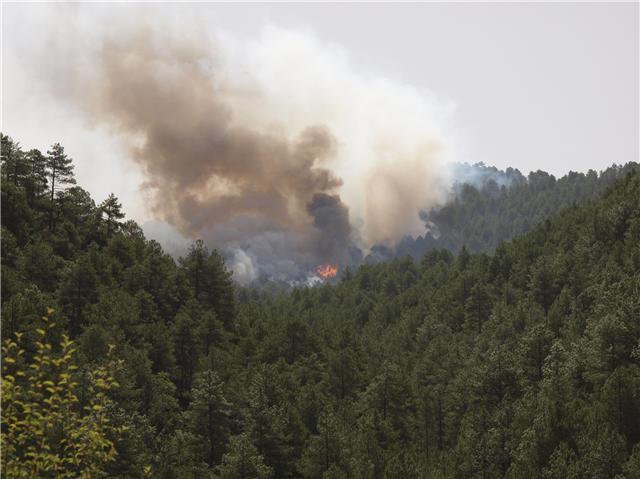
x=203 y=164
x=212 y=173
x=142 y=94
x=274 y=151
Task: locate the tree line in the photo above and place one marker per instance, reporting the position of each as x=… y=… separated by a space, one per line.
x=488 y=206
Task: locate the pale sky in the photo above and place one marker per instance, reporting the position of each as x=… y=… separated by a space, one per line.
x=532 y=86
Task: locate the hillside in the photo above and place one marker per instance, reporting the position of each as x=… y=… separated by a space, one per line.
x=524 y=363
x=488 y=206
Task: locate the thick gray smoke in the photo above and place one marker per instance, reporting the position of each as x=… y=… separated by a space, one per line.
x=333 y=231
x=273 y=150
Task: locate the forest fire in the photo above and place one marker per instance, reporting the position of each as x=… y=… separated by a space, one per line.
x=327 y=270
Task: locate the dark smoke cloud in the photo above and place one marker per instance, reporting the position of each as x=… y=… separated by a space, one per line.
x=202 y=164
x=275 y=151
x=209 y=173
x=331 y=219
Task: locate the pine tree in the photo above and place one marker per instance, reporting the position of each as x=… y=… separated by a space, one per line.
x=477 y=307
x=242 y=461
x=220 y=290
x=14 y=164
x=37 y=181
x=77 y=207
x=60 y=169
x=112 y=209
x=208 y=414
x=209 y=332
x=193 y=265
x=323 y=450
x=186 y=353
x=211 y=281
x=267 y=421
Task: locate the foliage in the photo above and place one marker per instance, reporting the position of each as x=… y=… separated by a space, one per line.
x=51 y=428
x=524 y=362
x=489 y=206
x=243 y=461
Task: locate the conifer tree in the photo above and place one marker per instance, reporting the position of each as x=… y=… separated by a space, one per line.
x=14 y=165
x=60 y=170
x=112 y=210
x=208 y=415
x=36 y=183
x=242 y=461
x=193 y=265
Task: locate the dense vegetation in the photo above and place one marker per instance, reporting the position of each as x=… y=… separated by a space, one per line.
x=489 y=206
x=520 y=364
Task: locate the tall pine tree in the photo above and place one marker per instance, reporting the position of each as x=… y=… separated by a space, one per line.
x=112 y=211
x=60 y=169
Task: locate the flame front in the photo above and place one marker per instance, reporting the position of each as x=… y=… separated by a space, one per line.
x=327 y=270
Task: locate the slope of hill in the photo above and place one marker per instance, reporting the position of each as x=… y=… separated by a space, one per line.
x=489 y=206
x=523 y=363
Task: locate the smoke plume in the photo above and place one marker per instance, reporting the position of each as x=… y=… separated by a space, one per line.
x=273 y=149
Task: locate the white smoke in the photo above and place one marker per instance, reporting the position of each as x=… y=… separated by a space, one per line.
x=244 y=271
x=390 y=145
x=380 y=145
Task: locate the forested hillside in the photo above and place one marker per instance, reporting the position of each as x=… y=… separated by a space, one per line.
x=488 y=206
x=119 y=362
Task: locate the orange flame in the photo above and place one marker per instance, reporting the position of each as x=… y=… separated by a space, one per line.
x=327 y=270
